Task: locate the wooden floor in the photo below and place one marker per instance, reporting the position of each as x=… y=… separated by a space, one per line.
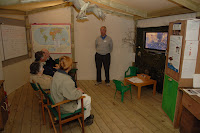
x=111 y=115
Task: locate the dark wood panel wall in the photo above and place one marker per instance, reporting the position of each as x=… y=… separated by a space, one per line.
x=151 y=62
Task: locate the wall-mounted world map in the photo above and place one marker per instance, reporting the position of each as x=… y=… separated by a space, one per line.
x=54 y=37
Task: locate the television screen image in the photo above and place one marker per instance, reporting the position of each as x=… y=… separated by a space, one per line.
x=156 y=40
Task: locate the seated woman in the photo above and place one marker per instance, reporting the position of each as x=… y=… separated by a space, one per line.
x=36 y=70
x=63 y=87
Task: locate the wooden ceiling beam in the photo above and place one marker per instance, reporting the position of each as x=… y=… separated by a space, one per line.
x=119 y=7
x=109 y=11
x=166 y=12
x=12 y=12
x=169 y=12
x=188 y=4
x=105 y=4
x=47 y=8
x=14 y=2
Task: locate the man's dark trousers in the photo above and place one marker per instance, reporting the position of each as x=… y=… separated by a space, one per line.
x=105 y=59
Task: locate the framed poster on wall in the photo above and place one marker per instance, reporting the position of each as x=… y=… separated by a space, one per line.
x=175 y=45
x=54 y=37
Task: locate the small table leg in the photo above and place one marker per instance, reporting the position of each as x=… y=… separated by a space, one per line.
x=154 y=88
x=139 y=92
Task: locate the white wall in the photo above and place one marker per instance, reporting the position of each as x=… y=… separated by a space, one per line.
x=15 y=75
x=163 y=21
x=85 y=35
x=61 y=15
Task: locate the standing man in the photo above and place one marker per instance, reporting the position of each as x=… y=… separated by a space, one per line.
x=104 y=46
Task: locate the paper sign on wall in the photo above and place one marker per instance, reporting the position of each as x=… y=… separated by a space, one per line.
x=177 y=26
x=192 y=30
x=175 y=46
x=191 y=49
x=188 y=68
x=196 y=79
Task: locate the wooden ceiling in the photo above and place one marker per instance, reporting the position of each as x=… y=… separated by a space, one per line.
x=140 y=9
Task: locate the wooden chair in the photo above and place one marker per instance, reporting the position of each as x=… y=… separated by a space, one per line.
x=41 y=99
x=54 y=108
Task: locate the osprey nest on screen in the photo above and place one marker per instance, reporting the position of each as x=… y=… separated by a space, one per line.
x=86 y=7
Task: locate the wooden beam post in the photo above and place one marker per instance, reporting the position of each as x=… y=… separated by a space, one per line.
x=72 y=34
x=135 y=34
x=28 y=36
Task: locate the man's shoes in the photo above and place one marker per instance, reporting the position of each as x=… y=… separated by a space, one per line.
x=98 y=83
x=90 y=117
x=88 y=122
x=108 y=84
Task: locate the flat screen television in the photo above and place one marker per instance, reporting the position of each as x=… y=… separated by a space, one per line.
x=156 y=40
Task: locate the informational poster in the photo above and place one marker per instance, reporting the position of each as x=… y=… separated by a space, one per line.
x=175 y=46
x=176 y=29
x=14 y=41
x=196 y=79
x=191 y=49
x=192 y=30
x=189 y=60
x=177 y=26
x=54 y=37
x=188 y=69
